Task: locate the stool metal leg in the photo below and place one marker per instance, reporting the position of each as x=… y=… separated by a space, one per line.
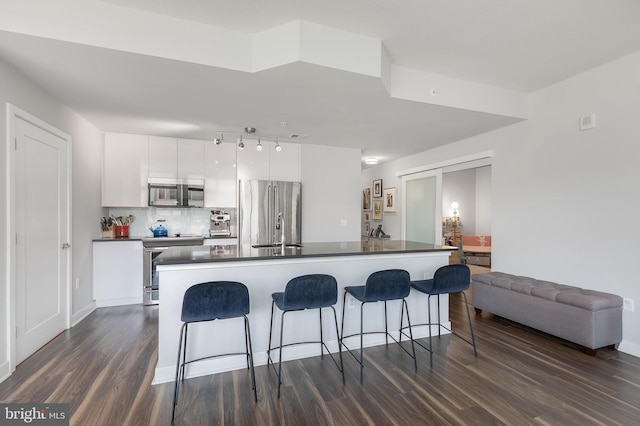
x=439 y=316
x=270 y=333
x=413 y=348
x=247 y=333
x=361 y=340
x=430 y=334
x=473 y=339
x=335 y=318
x=321 y=339
x=175 y=384
x=280 y=354
x=386 y=327
x=344 y=303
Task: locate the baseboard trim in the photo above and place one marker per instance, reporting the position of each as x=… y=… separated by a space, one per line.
x=5 y=371
x=82 y=313
x=629 y=348
x=105 y=303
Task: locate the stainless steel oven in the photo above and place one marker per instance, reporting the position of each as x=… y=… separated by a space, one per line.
x=152 y=248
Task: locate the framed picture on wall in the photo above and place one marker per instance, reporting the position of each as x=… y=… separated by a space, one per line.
x=389 y=199
x=366 y=198
x=377 y=188
x=377 y=210
x=367 y=216
x=366 y=228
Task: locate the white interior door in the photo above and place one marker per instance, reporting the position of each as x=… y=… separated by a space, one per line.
x=40 y=219
x=422 y=207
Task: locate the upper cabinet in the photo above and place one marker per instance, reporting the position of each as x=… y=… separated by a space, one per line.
x=269 y=164
x=220 y=174
x=191 y=159
x=176 y=158
x=163 y=155
x=130 y=160
x=125 y=170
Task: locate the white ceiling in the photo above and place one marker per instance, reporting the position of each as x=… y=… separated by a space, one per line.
x=521 y=45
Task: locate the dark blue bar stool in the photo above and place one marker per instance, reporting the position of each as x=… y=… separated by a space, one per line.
x=381 y=286
x=314 y=291
x=446 y=280
x=207 y=302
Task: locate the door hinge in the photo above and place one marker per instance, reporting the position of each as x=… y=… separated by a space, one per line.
x=15 y=143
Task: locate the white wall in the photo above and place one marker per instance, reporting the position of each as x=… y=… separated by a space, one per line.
x=483 y=201
x=21 y=92
x=330 y=193
x=563 y=201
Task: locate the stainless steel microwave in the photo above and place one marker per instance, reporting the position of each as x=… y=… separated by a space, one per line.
x=165 y=192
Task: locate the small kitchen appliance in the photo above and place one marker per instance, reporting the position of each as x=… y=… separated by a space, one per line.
x=159 y=231
x=220 y=224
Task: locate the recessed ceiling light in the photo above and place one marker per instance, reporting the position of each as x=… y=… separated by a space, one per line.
x=371 y=160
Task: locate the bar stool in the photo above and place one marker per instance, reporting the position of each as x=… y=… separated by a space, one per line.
x=314 y=291
x=207 y=302
x=381 y=286
x=446 y=280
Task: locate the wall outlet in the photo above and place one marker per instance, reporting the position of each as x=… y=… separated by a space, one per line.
x=77 y=283
x=627 y=304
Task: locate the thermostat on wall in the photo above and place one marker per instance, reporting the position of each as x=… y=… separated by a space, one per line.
x=588 y=122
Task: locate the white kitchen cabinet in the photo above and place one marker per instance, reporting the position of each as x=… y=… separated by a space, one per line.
x=176 y=158
x=125 y=170
x=220 y=179
x=269 y=163
x=117 y=273
x=163 y=157
x=191 y=159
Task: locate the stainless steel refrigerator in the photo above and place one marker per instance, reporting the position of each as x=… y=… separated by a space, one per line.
x=267 y=210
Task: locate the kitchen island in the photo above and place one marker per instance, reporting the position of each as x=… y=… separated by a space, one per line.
x=267 y=270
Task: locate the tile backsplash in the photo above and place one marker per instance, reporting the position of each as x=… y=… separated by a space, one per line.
x=188 y=221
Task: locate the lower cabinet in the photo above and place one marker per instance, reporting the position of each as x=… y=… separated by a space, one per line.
x=117 y=273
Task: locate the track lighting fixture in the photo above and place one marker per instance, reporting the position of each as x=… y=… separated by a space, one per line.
x=219 y=140
x=248 y=131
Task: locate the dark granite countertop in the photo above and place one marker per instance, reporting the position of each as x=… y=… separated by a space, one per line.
x=139 y=238
x=207 y=254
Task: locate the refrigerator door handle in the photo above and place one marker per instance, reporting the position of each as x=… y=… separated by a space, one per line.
x=269 y=214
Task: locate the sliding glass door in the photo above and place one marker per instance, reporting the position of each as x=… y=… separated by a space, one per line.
x=422 y=207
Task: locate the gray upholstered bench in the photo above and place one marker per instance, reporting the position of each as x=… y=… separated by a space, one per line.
x=589 y=318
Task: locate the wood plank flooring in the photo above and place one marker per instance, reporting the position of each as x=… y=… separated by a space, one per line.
x=103 y=368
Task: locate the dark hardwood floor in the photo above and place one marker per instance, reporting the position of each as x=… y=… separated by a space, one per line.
x=103 y=368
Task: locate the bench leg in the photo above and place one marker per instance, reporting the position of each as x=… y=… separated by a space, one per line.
x=589 y=351
x=612 y=347
x=478 y=311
